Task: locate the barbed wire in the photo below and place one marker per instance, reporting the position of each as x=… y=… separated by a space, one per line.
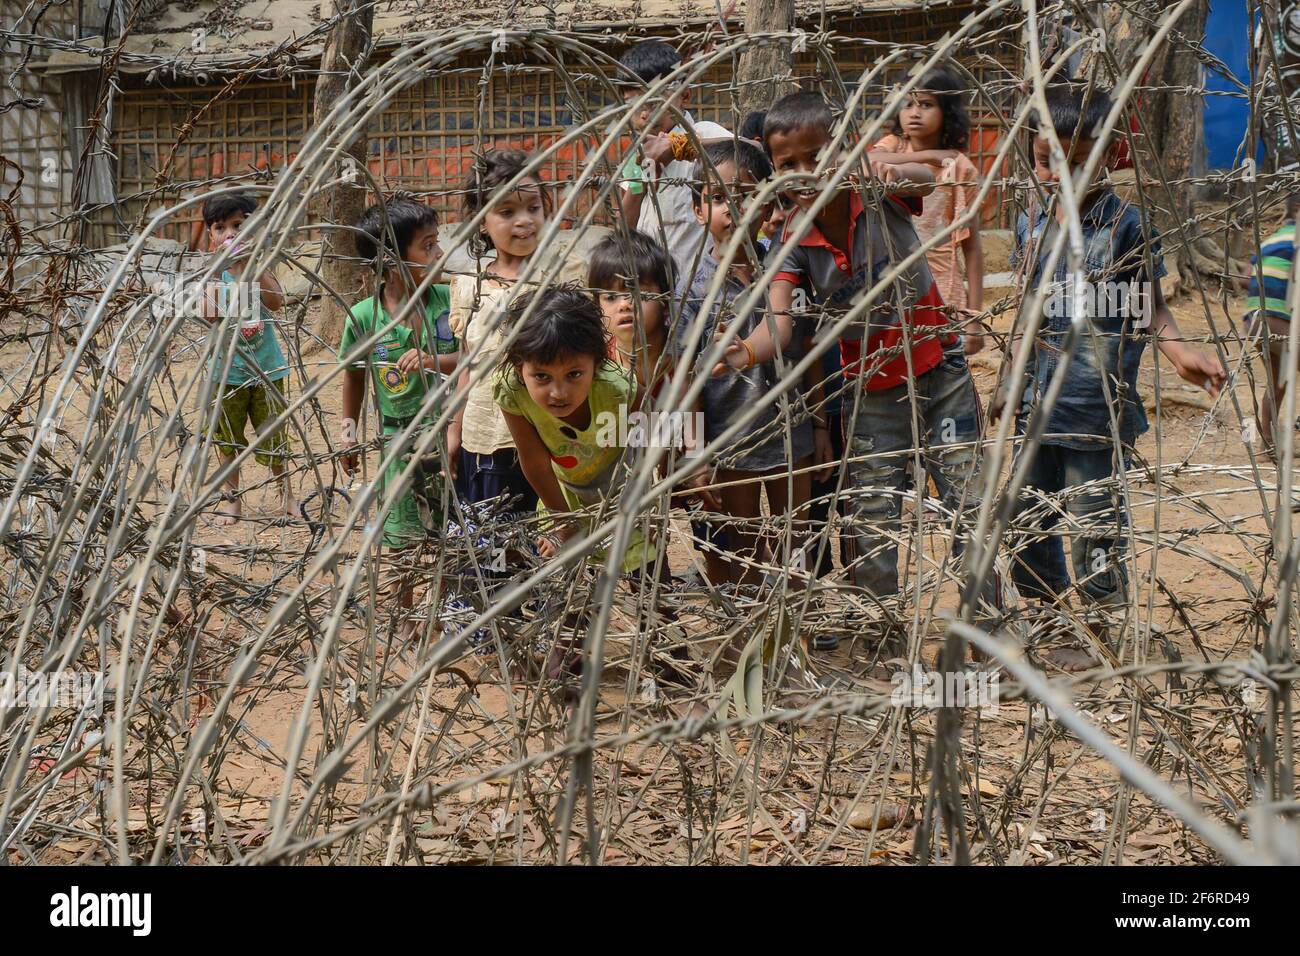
x=268 y=698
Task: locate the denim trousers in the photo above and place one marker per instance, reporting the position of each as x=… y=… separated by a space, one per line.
x=1097 y=519
x=948 y=421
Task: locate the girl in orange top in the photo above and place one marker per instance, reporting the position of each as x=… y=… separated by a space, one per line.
x=934 y=128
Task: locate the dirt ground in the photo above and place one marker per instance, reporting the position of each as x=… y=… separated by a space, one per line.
x=837 y=789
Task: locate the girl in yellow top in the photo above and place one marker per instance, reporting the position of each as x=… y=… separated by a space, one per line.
x=567 y=406
x=563 y=401
x=934 y=128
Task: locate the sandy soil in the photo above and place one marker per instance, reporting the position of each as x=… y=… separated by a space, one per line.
x=778 y=793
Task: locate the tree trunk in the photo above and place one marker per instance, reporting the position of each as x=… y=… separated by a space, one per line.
x=1170 y=120
x=763 y=74
x=346 y=48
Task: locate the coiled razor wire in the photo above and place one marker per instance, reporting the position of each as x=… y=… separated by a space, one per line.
x=268 y=699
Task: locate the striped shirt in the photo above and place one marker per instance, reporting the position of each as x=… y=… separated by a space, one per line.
x=1275 y=257
x=872 y=348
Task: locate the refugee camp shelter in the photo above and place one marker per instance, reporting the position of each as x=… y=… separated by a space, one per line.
x=205 y=89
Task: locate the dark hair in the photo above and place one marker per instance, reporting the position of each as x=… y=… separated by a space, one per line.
x=221 y=208
x=1066 y=113
x=943 y=84
x=751 y=127
x=1292 y=205
x=608 y=270
x=406 y=216
x=797 y=111
x=492 y=169
x=650 y=59
x=567 y=321
x=747 y=157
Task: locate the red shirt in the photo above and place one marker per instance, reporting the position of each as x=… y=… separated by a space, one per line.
x=838 y=278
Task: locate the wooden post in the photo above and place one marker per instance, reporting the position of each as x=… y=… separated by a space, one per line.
x=763 y=75
x=345 y=49
x=1171 y=124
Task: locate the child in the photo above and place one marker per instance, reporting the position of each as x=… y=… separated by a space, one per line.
x=843 y=252
x=751 y=126
x=482 y=450
x=407 y=360
x=824 y=483
x=559 y=394
x=660 y=205
x=563 y=399
x=247 y=398
x=933 y=128
x=1078 y=444
x=631 y=282
x=757 y=458
x=1271 y=307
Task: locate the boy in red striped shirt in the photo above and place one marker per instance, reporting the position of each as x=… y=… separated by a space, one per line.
x=904 y=335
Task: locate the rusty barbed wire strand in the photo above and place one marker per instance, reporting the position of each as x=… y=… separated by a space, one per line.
x=266 y=701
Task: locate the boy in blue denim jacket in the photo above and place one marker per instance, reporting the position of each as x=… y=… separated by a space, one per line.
x=1098 y=409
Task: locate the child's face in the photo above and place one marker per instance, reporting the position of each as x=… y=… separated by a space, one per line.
x=779 y=215
x=514 y=222
x=1078 y=158
x=422 y=251
x=561 y=387
x=224 y=230
x=922 y=117
x=667 y=120
x=798 y=151
x=619 y=311
x=712 y=211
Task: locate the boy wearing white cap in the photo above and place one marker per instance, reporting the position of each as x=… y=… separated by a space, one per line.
x=656 y=196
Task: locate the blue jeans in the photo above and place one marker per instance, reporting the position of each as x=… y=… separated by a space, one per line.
x=949 y=423
x=1096 y=543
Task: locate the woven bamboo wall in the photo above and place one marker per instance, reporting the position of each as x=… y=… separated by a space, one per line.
x=425 y=139
x=34 y=138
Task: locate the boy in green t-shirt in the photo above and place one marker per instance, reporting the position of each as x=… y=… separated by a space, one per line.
x=246 y=398
x=405 y=362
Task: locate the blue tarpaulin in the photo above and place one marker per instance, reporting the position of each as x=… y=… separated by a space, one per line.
x=1227 y=36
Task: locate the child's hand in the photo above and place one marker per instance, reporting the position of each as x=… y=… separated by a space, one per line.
x=549 y=545
x=658 y=148
x=997 y=405
x=347 y=444
x=1203 y=371
x=823 y=453
x=696 y=486
x=348 y=457
x=412 y=360
x=885 y=172
x=736 y=357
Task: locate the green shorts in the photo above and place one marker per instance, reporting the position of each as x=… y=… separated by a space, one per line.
x=253 y=403
x=418 y=514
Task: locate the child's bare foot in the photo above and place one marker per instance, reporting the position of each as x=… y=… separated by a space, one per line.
x=228 y=512
x=289 y=504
